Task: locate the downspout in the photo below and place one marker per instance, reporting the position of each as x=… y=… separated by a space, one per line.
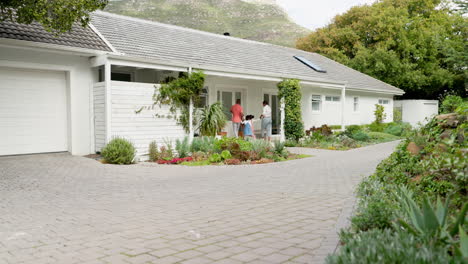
x=343 y=106
x=191 y=132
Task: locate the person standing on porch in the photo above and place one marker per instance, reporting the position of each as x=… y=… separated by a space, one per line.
x=266 y=121
x=237 y=114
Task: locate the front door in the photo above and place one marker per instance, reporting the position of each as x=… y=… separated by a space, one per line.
x=273 y=101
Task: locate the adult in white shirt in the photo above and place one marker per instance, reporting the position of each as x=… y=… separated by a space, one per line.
x=266 y=121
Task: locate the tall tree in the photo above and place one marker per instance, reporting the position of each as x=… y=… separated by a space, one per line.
x=57 y=15
x=417 y=45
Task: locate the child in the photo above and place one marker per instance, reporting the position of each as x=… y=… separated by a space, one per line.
x=248 y=127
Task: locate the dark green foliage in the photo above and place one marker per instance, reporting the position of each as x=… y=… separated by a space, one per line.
x=290 y=92
x=396 y=129
x=119 y=151
x=403 y=200
x=178 y=92
x=388 y=247
x=450 y=103
x=418 y=45
x=57 y=15
x=351 y=129
x=360 y=136
x=212 y=120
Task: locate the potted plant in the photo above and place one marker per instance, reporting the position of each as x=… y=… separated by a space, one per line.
x=212 y=120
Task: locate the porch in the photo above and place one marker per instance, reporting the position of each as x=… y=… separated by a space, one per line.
x=123 y=104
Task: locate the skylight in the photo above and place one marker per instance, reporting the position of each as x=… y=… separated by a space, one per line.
x=309 y=64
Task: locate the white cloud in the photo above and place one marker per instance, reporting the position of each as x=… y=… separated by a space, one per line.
x=313 y=14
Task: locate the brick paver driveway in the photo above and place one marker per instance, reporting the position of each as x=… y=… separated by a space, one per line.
x=62 y=209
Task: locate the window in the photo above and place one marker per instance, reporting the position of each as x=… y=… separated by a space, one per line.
x=203 y=99
x=121 y=76
x=228 y=99
x=356 y=104
x=316 y=103
x=384 y=101
x=332 y=98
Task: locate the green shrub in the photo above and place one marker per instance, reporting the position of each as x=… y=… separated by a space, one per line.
x=290 y=91
x=290 y=143
x=386 y=246
x=183 y=147
x=397 y=115
x=376 y=127
x=212 y=120
x=153 y=151
x=261 y=147
x=215 y=158
x=395 y=130
x=379 y=114
x=203 y=144
x=360 y=136
x=375 y=208
x=279 y=146
x=450 y=104
x=379 y=136
x=226 y=155
x=351 y=129
x=232 y=144
x=119 y=151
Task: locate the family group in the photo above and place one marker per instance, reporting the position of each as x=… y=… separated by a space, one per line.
x=244 y=124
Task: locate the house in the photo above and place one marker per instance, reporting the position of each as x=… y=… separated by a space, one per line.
x=76 y=91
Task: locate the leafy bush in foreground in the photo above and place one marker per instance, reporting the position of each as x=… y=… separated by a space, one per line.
x=386 y=246
x=119 y=151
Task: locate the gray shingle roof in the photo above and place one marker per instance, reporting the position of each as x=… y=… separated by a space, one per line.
x=165 y=43
x=78 y=37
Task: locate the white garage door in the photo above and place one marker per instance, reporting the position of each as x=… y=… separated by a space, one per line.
x=33 y=111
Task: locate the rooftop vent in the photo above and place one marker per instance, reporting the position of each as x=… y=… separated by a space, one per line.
x=309 y=64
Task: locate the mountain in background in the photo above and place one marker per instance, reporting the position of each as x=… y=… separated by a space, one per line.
x=260 y=20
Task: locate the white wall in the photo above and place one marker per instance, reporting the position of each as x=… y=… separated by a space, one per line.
x=99 y=95
x=417 y=111
x=330 y=113
x=143 y=127
x=80 y=81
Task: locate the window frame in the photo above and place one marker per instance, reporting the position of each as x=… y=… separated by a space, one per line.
x=332 y=98
x=319 y=101
x=356 y=104
x=382 y=101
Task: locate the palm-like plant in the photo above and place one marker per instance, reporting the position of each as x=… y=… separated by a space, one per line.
x=212 y=120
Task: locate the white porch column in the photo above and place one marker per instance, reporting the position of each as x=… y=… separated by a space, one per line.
x=282 y=116
x=108 y=101
x=191 y=131
x=343 y=108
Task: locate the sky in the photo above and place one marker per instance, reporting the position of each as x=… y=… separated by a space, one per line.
x=313 y=14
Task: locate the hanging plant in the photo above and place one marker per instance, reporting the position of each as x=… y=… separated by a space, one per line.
x=177 y=94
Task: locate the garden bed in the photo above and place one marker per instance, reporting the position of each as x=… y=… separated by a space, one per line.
x=353 y=137
x=204 y=151
x=413 y=208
